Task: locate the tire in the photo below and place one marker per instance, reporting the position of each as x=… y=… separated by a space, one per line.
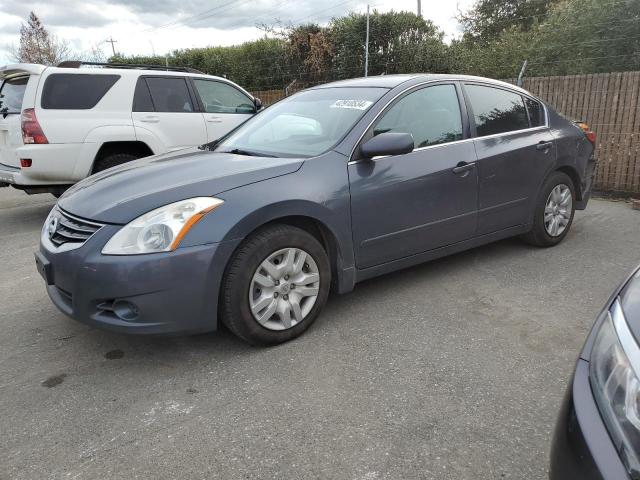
x=113 y=160
x=539 y=235
x=240 y=285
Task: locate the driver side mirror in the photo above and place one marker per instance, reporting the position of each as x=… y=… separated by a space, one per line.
x=258 y=103
x=388 y=143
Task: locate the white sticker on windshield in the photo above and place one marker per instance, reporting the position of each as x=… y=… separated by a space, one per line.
x=353 y=104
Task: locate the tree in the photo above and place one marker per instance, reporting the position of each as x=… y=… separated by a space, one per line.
x=587 y=36
x=399 y=42
x=572 y=37
x=37 y=45
x=488 y=19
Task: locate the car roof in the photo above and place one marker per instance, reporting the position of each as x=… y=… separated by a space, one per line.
x=392 y=81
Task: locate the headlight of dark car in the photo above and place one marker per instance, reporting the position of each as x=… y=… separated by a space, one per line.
x=615 y=381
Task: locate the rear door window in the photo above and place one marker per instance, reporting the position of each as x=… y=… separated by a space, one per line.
x=142 y=97
x=170 y=94
x=535 y=111
x=431 y=115
x=218 y=97
x=75 y=91
x=11 y=95
x=496 y=110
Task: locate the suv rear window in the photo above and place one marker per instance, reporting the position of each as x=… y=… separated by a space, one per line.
x=11 y=94
x=496 y=110
x=75 y=91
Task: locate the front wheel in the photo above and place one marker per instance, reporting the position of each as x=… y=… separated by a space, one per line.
x=554 y=211
x=275 y=286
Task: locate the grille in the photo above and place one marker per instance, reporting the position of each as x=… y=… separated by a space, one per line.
x=71 y=229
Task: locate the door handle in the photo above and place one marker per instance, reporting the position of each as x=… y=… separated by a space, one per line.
x=544 y=146
x=150 y=119
x=214 y=119
x=463 y=167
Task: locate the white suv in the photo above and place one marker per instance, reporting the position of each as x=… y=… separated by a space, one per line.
x=59 y=125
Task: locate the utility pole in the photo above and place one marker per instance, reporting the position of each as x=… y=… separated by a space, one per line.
x=112 y=41
x=521 y=76
x=366 y=47
x=419 y=8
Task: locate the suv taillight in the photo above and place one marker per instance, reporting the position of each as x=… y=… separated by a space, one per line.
x=31 y=130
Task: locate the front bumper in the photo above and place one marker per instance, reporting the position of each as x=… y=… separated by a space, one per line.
x=582 y=448
x=163 y=293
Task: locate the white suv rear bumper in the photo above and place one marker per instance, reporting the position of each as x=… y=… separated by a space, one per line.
x=51 y=164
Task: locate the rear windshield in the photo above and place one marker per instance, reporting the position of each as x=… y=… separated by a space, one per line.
x=74 y=91
x=11 y=94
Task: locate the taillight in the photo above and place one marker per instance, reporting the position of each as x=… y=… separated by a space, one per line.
x=31 y=130
x=591 y=135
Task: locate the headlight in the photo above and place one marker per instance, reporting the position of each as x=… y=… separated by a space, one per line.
x=160 y=230
x=615 y=381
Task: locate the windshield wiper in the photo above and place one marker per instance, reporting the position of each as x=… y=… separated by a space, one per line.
x=249 y=153
x=209 y=146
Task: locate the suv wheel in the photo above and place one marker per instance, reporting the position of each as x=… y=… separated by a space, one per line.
x=275 y=285
x=554 y=211
x=113 y=160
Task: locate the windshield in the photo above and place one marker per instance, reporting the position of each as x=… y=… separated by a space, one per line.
x=11 y=94
x=304 y=125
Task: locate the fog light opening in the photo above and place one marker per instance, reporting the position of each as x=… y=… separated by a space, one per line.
x=125 y=310
x=25 y=162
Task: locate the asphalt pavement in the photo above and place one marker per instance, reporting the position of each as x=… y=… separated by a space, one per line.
x=451 y=370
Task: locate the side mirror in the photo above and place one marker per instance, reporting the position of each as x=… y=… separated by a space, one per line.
x=389 y=143
x=258 y=103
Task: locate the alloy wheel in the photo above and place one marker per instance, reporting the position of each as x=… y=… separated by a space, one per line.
x=557 y=210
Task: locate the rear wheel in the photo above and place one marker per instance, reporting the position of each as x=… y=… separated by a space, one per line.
x=113 y=160
x=275 y=286
x=554 y=212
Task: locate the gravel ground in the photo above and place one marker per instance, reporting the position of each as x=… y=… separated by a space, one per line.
x=451 y=370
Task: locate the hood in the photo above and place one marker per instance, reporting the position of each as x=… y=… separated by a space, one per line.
x=121 y=194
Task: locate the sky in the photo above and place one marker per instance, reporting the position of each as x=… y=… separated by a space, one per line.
x=159 y=26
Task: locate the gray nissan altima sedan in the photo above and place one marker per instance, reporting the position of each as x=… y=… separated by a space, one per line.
x=329 y=187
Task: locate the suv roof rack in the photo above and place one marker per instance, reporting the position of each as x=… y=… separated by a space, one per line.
x=78 y=64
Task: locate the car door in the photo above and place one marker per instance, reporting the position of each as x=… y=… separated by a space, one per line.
x=515 y=151
x=402 y=205
x=166 y=108
x=224 y=107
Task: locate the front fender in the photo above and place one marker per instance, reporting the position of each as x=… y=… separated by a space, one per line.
x=319 y=191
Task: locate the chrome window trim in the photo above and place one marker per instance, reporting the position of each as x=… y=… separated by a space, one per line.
x=419 y=149
x=511 y=132
x=453 y=82
x=625 y=337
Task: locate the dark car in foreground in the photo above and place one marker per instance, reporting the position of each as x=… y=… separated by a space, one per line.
x=326 y=188
x=598 y=431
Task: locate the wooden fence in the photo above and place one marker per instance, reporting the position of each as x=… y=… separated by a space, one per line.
x=608 y=102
